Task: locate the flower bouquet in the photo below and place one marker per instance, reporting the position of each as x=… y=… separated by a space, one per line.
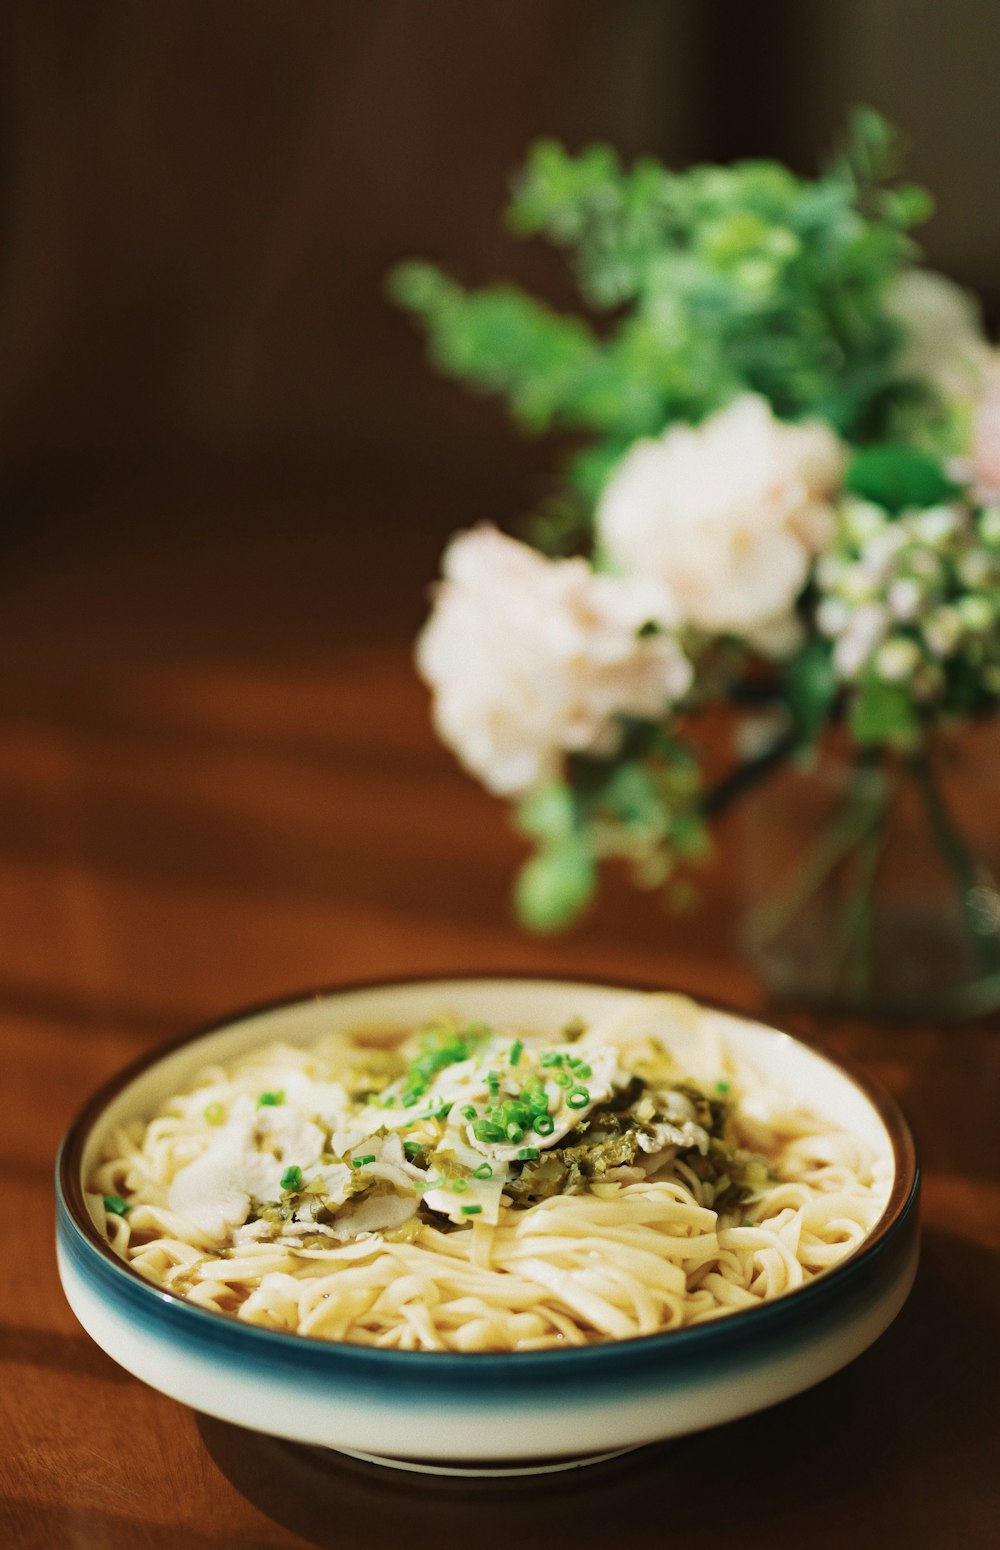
x=781 y=493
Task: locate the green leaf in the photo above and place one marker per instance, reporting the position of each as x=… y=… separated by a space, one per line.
x=548 y=813
x=811 y=688
x=884 y=713
x=554 y=886
x=898 y=478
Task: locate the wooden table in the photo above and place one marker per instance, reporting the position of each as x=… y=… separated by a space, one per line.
x=178 y=840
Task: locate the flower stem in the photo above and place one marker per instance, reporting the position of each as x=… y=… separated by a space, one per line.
x=862 y=813
x=985 y=945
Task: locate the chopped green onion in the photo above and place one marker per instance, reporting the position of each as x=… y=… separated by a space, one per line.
x=515 y=1133
x=410 y=1100
x=292 y=1178
x=577 y=1098
x=270 y=1100
x=411 y=1148
x=563 y=1079
x=552 y=1057
x=723 y=1087
x=581 y=1070
x=471 y=1211
x=214 y=1114
x=460 y=1186
x=528 y=1154
x=116 y=1205
x=359 y=1162
x=467 y=1112
x=516 y=1051
x=746 y=1222
x=544 y=1125
x=486 y=1130
x=484 y=1171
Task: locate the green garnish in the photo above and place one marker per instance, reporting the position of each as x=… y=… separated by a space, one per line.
x=460 y=1186
x=214 y=1114
x=116 y=1205
x=516 y=1051
x=359 y=1162
x=467 y=1111
x=581 y=1070
x=471 y=1211
x=486 y=1130
x=723 y=1087
x=552 y=1057
x=411 y=1148
x=515 y=1132
x=577 y=1098
x=270 y=1100
x=563 y=1079
x=544 y=1125
x=746 y=1222
x=291 y=1179
x=484 y=1171
x=528 y=1154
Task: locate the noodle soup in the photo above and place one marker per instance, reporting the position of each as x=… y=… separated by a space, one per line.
x=504 y=1186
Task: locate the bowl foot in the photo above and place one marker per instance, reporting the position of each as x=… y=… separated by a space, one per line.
x=485 y=1469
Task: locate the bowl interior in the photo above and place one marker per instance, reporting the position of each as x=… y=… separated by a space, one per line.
x=792 y=1071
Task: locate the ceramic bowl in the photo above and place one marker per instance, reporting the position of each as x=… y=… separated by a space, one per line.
x=484 y=1412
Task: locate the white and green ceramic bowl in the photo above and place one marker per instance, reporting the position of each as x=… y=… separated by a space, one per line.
x=486 y=1412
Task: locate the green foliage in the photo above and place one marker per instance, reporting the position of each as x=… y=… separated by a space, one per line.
x=554 y=886
x=716 y=279
x=811 y=688
x=898 y=478
x=884 y=714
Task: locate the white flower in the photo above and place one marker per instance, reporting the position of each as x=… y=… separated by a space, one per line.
x=864 y=631
x=728 y=515
x=531 y=658
x=986 y=435
x=944 y=341
x=897 y=660
x=904 y=598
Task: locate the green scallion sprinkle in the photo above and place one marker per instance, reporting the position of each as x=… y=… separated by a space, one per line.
x=563 y=1079
x=270 y=1100
x=528 y=1154
x=292 y=1178
x=214 y=1114
x=116 y=1205
x=410 y=1100
x=486 y=1130
x=544 y=1125
x=471 y=1210
x=359 y=1162
x=411 y=1148
x=577 y=1098
x=515 y=1133
x=746 y=1222
x=581 y=1070
x=723 y=1087
x=516 y=1051
x=552 y=1058
x=460 y=1186
x=484 y=1171
x=467 y=1111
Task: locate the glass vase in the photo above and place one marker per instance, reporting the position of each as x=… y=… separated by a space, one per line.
x=869 y=881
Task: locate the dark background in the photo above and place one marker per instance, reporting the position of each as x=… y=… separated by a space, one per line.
x=216 y=436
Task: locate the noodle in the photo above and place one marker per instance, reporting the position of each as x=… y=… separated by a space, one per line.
x=383 y=1196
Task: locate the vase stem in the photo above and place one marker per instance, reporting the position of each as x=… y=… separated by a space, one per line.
x=985 y=944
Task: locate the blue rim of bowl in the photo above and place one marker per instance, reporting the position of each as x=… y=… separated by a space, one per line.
x=899 y=1210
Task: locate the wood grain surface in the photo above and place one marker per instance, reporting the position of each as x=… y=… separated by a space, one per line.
x=178 y=840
